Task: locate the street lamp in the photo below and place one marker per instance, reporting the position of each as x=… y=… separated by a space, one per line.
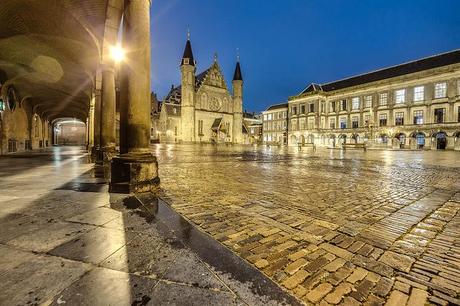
x=117 y=53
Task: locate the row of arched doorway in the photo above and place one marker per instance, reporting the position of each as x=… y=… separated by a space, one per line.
x=416 y=140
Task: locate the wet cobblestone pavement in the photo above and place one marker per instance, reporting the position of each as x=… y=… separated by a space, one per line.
x=354 y=228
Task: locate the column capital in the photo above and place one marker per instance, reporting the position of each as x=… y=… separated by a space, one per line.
x=107 y=67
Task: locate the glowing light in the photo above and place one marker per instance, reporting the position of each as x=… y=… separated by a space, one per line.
x=117 y=53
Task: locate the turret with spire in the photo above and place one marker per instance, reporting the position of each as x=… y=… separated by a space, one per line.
x=237 y=85
x=188 y=68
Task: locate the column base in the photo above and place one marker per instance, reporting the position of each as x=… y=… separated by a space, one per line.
x=134 y=173
x=104 y=155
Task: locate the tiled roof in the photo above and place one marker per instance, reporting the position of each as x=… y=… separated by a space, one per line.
x=175 y=95
x=431 y=62
x=277 y=106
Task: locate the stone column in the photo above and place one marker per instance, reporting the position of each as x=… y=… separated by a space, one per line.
x=136 y=169
x=137 y=73
x=97 y=119
x=108 y=137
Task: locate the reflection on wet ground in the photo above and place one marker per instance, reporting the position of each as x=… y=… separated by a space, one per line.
x=65 y=240
x=329 y=226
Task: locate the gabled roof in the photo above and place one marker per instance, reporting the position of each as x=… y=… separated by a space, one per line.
x=200 y=78
x=313 y=87
x=172 y=109
x=277 y=106
x=436 y=61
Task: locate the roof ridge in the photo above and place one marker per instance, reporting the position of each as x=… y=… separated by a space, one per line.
x=388 y=67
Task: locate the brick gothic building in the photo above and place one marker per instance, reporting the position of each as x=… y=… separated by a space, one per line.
x=412 y=105
x=202 y=109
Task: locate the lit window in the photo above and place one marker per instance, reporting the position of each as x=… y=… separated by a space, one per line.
x=355 y=122
x=332 y=107
x=343 y=105
x=383 y=98
x=419 y=93
x=311 y=124
x=418 y=117
x=368 y=101
x=400 y=96
x=440 y=90
x=332 y=123
x=366 y=119
x=439 y=115
x=355 y=103
x=383 y=119
x=399 y=118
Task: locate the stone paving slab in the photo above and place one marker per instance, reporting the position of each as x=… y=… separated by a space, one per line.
x=350 y=228
x=65 y=244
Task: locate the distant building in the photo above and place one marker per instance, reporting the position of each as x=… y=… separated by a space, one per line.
x=252 y=128
x=201 y=108
x=275 y=124
x=412 y=105
x=155 y=116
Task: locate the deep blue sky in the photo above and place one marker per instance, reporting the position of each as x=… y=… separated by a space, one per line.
x=287 y=44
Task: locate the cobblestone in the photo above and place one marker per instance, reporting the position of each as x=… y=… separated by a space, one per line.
x=330 y=217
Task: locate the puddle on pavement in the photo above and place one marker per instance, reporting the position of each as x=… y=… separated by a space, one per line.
x=154 y=210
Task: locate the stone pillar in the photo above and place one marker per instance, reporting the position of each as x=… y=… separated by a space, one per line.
x=135 y=169
x=108 y=136
x=97 y=119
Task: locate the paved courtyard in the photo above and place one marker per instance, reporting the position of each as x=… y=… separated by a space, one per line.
x=353 y=228
x=64 y=240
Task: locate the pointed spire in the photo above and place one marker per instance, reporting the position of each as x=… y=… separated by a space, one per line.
x=188 y=54
x=238 y=76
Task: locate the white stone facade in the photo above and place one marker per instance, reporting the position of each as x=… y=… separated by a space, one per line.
x=417 y=110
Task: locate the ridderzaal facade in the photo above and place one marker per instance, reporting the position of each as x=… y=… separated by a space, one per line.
x=415 y=105
x=202 y=108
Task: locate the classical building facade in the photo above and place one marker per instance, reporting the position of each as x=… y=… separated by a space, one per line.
x=275 y=124
x=202 y=109
x=252 y=128
x=414 y=105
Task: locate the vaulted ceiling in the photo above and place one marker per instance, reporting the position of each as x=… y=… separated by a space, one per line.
x=50 y=51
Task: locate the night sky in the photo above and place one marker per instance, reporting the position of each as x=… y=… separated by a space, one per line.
x=287 y=44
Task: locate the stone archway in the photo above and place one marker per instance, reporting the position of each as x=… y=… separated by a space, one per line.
x=440 y=140
x=355 y=138
x=15 y=131
x=332 y=140
x=456 y=137
x=418 y=140
x=401 y=139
